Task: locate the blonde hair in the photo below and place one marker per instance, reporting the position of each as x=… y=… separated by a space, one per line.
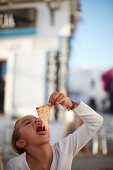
x=15 y=137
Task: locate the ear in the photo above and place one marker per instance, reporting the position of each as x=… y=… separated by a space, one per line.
x=21 y=143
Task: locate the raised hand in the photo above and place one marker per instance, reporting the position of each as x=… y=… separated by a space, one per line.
x=59 y=98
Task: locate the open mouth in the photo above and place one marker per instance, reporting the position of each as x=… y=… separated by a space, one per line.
x=41 y=130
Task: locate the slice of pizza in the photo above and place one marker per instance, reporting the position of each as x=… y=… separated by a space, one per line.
x=43 y=113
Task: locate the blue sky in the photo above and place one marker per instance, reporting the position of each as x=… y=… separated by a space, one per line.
x=93 y=40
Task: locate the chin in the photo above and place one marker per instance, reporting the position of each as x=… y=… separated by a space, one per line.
x=46 y=141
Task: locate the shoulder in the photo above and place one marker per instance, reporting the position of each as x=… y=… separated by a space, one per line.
x=19 y=157
x=15 y=162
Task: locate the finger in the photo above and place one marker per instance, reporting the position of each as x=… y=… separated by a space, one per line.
x=63 y=103
x=53 y=97
x=60 y=100
x=50 y=105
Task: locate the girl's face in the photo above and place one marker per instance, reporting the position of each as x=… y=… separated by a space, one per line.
x=32 y=131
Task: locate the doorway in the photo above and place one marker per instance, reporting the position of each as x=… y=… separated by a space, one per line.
x=2 y=84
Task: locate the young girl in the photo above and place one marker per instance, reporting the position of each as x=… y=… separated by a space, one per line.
x=31 y=140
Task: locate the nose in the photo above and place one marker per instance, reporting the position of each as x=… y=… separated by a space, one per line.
x=37 y=120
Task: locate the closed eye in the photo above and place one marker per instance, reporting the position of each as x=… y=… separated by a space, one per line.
x=28 y=123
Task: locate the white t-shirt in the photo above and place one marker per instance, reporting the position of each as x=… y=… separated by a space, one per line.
x=65 y=149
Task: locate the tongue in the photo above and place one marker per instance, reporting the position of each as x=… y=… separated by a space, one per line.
x=42 y=132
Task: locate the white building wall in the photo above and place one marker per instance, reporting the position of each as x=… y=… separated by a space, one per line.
x=26 y=59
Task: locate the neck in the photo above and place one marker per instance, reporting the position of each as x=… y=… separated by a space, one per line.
x=39 y=157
